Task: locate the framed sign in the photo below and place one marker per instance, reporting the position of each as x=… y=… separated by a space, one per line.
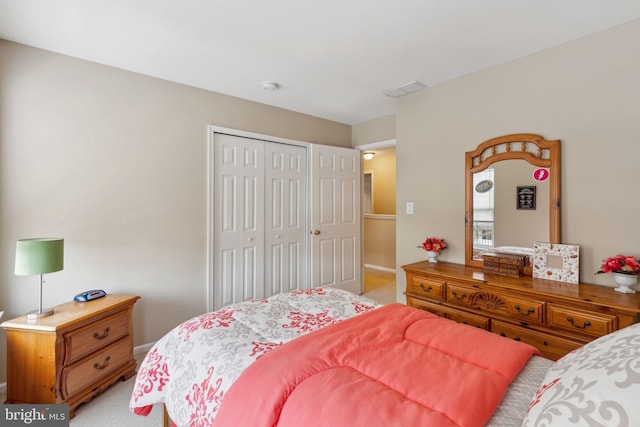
x=526 y=197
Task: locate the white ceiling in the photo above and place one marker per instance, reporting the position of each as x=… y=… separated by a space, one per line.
x=332 y=58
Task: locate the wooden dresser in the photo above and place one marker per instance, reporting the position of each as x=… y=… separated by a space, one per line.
x=555 y=317
x=73 y=355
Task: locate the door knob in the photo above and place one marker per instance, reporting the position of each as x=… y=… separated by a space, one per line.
x=277 y=236
x=250 y=239
x=316 y=232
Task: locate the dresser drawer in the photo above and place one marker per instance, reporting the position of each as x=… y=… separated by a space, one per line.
x=529 y=311
x=468 y=319
x=425 y=305
x=92 y=337
x=590 y=323
x=450 y=313
x=550 y=346
x=428 y=288
x=459 y=295
x=89 y=370
x=523 y=310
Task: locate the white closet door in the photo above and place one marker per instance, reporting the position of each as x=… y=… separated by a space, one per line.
x=285 y=218
x=238 y=219
x=335 y=218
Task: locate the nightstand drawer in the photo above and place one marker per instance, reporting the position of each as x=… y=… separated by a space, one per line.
x=590 y=323
x=78 y=376
x=92 y=337
x=428 y=288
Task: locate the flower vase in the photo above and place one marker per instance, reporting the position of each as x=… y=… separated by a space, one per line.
x=432 y=256
x=624 y=282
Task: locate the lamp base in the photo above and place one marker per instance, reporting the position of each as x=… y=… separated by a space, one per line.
x=37 y=314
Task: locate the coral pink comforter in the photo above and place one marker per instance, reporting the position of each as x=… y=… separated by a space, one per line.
x=392 y=366
x=191 y=368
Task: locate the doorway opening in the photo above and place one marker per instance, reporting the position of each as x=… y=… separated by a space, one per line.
x=379 y=221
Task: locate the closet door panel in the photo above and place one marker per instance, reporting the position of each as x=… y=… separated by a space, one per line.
x=238 y=220
x=285 y=223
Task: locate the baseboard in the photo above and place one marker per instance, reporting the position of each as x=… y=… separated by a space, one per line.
x=141 y=349
x=378 y=267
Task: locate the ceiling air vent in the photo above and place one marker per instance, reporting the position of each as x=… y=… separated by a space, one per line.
x=404 y=89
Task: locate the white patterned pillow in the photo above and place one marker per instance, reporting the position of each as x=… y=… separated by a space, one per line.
x=596 y=385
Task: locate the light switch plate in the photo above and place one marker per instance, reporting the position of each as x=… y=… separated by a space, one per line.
x=409 y=208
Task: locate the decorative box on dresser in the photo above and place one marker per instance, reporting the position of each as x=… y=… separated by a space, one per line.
x=73 y=355
x=555 y=317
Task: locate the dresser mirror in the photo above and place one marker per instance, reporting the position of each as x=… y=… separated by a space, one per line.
x=512 y=195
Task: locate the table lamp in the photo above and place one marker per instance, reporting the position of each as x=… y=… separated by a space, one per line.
x=39 y=256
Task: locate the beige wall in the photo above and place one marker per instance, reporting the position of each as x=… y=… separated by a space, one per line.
x=379 y=242
x=115 y=163
x=585 y=93
x=380 y=129
x=383 y=169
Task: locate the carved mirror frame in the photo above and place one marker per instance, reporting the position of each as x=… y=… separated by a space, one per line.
x=529 y=147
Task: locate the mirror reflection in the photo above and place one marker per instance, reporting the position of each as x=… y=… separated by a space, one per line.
x=510 y=208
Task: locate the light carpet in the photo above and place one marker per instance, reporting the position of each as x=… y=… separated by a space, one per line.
x=111 y=408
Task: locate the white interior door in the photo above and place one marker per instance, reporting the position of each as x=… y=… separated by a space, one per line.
x=238 y=219
x=335 y=218
x=285 y=218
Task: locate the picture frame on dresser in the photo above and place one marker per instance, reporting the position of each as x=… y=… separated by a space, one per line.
x=556 y=262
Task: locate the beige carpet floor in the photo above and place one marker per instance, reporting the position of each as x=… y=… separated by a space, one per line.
x=380 y=285
x=111 y=408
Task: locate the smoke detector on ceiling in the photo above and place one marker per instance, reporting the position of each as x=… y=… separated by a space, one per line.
x=270 y=86
x=404 y=89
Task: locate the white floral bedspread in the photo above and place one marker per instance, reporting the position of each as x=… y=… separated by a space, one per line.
x=191 y=368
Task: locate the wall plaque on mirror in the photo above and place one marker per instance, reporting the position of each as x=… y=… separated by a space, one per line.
x=495 y=221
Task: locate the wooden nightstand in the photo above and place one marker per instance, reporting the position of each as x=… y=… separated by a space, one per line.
x=73 y=355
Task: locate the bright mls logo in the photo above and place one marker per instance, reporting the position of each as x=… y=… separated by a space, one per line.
x=34 y=415
x=541 y=174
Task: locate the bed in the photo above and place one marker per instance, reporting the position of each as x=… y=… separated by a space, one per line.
x=324 y=356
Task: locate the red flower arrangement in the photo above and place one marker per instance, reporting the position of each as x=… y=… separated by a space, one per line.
x=433 y=244
x=623 y=264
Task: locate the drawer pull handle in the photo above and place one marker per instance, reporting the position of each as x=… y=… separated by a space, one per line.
x=584 y=325
x=426 y=289
x=528 y=312
x=502 y=334
x=455 y=295
x=103 y=336
x=104 y=365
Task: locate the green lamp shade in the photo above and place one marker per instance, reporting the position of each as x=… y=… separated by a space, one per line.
x=39 y=256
